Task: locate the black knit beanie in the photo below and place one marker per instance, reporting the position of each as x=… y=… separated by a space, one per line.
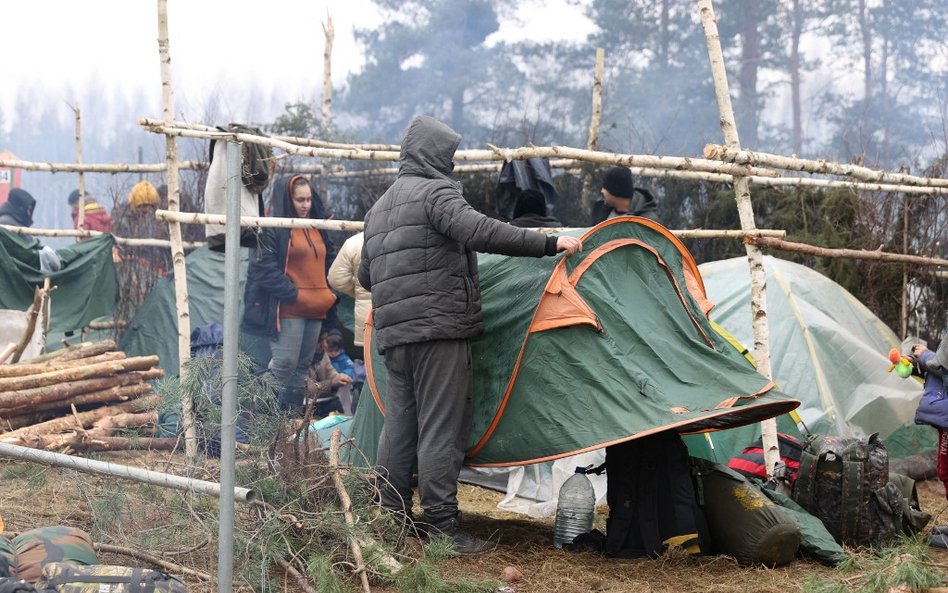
x=618 y=182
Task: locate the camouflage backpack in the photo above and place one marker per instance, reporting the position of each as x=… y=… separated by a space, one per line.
x=64 y=577
x=844 y=482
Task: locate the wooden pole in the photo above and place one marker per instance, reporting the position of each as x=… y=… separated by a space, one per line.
x=22 y=230
x=493 y=154
x=745 y=208
x=915 y=260
x=174 y=234
x=733 y=154
x=595 y=119
x=80 y=217
x=32 y=315
x=905 y=228
x=97 y=167
x=329 y=32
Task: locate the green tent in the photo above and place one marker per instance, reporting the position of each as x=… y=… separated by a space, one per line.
x=827 y=349
x=86 y=286
x=598 y=348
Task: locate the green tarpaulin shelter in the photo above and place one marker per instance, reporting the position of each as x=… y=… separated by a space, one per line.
x=86 y=286
x=827 y=349
x=601 y=347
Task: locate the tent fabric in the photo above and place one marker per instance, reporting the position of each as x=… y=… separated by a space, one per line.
x=154 y=329
x=553 y=381
x=86 y=285
x=827 y=349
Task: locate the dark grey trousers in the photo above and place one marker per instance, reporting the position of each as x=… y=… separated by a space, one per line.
x=428 y=414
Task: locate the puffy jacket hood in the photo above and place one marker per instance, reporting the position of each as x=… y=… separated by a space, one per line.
x=428 y=149
x=19 y=206
x=280 y=205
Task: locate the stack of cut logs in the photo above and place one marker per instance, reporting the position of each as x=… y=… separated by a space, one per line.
x=79 y=398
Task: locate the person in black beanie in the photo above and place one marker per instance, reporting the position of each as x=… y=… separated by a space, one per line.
x=620 y=197
x=18 y=210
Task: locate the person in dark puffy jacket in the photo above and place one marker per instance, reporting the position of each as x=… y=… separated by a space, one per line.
x=933 y=407
x=419 y=262
x=18 y=210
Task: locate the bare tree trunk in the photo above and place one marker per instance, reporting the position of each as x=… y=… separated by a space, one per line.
x=665 y=36
x=33 y=315
x=795 y=76
x=862 y=14
x=750 y=60
x=594 y=123
x=745 y=210
x=22 y=369
x=174 y=234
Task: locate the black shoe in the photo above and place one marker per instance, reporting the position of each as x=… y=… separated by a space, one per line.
x=938 y=540
x=467 y=544
x=940 y=530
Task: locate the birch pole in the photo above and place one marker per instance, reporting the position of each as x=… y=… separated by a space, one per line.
x=595 y=120
x=81 y=205
x=174 y=234
x=329 y=31
x=745 y=208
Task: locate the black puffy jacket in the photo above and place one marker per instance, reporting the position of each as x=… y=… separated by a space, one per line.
x=421 y=236
x=267 y=283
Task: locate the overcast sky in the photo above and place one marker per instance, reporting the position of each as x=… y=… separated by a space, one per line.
x=58 y=46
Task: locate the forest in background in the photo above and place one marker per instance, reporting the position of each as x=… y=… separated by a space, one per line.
x=849 y=80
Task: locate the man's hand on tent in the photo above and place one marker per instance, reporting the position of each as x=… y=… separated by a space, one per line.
x=569 y=244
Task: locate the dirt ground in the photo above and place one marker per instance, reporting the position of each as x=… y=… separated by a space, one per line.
x=33 y=496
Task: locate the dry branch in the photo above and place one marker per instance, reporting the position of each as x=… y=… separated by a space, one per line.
x=32 y=315
x=774 y=243
x=732 y=154
x=347 y=509
x=80 y=441
x=159 y=562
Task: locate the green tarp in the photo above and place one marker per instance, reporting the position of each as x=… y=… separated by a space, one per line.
x=86 y=286
x=827 y=349
x=654 y=362
x=154 y=329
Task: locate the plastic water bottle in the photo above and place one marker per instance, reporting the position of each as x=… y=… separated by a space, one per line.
x=574 y=508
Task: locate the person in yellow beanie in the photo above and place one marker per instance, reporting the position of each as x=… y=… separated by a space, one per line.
x=143 y=194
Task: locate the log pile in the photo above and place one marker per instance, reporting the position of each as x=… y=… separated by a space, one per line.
x=80 y=398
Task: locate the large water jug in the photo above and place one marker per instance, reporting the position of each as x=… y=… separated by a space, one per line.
x=574 y=508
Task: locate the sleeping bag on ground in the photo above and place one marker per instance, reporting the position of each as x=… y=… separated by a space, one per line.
x=743 y=522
